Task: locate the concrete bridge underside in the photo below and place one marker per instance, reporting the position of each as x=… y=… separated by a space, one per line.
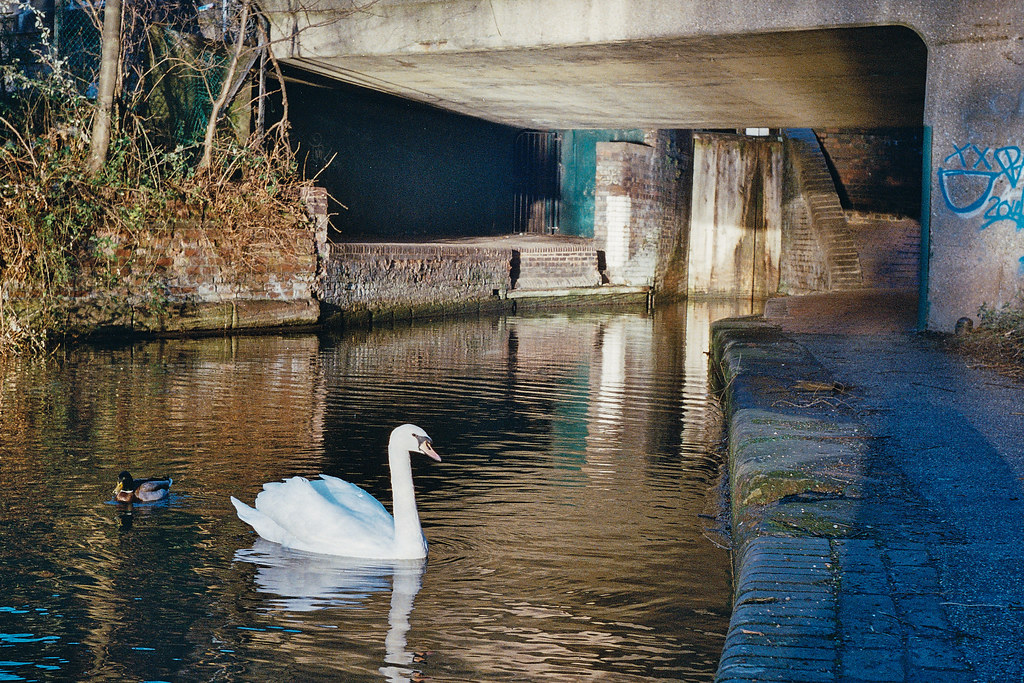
x=862 y=77
x=953 y=66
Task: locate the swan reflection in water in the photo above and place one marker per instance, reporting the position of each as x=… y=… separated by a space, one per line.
x=304 y=582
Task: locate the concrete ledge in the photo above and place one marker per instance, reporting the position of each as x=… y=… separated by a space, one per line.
x=796 y=460
x=580 y=297
x=624 y=291
x=101 y=315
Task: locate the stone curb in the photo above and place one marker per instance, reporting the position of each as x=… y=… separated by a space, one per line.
x=818 y=594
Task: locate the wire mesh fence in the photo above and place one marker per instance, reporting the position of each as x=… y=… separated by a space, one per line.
x=19 y=40
x=76 y=40
x=174 y=56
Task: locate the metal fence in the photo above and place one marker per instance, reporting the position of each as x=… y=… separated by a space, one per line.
x=536 y=158
x=174 y=56
x=19 y=40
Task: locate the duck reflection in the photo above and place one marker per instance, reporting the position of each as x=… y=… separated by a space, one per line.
x=304 y=582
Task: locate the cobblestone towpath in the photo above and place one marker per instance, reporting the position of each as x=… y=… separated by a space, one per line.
x=877 y=505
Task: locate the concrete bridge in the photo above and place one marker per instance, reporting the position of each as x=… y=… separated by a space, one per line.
x=953 y=67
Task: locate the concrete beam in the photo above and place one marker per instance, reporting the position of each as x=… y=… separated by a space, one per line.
x=575 y=64
x=853 y=78
x=390 y=27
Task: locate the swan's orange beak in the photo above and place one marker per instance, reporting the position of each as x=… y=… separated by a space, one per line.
x=428 y=450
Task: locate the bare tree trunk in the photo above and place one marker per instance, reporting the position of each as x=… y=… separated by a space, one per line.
x=225 y=90
x=107 y=86
x=283 y=123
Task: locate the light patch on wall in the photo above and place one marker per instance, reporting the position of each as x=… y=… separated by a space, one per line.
x=757 y=132
x=617 y=246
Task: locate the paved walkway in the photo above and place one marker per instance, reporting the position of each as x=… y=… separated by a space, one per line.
x=923 y=579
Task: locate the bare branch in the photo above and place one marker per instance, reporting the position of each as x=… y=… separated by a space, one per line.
x=28 y=147
x=225 y=90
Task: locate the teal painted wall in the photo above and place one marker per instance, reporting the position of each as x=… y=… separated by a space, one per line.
x=579 y=168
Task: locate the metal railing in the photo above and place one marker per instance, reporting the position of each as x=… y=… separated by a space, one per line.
x=538 y=192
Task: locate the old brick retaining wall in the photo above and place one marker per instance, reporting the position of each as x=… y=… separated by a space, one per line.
x=889 y=248
x=641 y=211
x=876 y=170
x=675 y=147
x=363 y=281
x=366 y=280
x=187 y=276
x=572 y=262
x=819 y=253
x=627 y=211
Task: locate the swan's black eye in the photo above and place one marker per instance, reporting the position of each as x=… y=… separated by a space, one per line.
x=422 y=439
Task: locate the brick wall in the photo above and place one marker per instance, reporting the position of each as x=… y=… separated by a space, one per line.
x=185 y=276
x=819 y=252
x=626 y=212
x=572 y=262
x=640 y=212
x=187 y=263
x=413 y=280
x=804 y=265
x=889 y=248
x=675 y=148
x=876 y=170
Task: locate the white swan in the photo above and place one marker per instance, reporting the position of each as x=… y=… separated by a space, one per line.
x=333 y=517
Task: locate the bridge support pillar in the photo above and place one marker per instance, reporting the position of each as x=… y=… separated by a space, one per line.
x=975 y=109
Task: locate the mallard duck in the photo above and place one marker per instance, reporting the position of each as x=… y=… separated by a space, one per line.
x=130 y=490
x=333 y=517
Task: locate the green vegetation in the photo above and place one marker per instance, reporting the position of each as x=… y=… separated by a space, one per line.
x=66 y=232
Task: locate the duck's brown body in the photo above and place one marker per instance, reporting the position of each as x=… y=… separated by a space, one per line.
x=130 y=490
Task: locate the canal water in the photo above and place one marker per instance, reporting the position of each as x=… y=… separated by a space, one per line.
x=564 y=523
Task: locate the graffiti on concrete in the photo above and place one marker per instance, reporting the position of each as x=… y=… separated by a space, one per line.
x=985 y=181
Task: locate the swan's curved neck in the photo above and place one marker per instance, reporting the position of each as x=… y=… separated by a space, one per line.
x=409 y=541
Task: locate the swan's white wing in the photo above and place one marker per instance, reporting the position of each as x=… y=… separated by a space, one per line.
x=342 y=522
x=357 y=501
x=264 y=526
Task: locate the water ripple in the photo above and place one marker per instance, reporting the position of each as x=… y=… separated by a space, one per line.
x=562 y=521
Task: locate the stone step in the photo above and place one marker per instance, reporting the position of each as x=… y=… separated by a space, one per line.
x=827 y=223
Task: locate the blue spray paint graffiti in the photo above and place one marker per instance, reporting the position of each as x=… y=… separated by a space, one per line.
x=984 y=181
x=980 y=180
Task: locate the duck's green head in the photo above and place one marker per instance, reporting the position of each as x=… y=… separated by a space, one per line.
x=124 y=483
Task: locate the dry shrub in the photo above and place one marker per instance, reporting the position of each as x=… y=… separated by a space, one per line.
x=57 y=224
x=998 y=341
